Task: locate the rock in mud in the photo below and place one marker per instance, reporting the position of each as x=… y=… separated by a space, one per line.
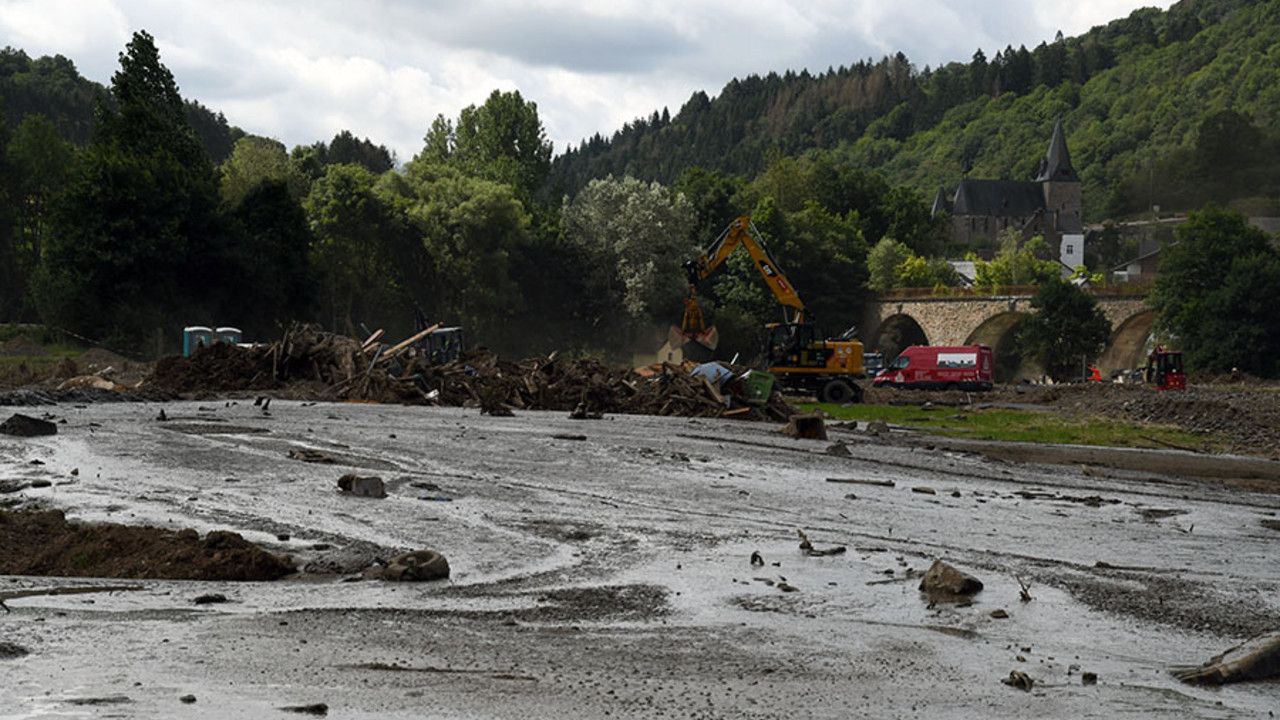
x=369 y=486
x=810 y=426
x=317 y=709
x=27 y=426
x=9 y=651
x=415 y=566
x=942 y=581
x=838 y=449
x=1255 y=659
x=1019 y=679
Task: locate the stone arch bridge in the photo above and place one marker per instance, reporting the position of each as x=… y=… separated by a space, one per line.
x=891 y=324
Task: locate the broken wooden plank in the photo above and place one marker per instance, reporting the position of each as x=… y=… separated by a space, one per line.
x=398 y=348
x=711 y=389
x=856 y=481
x=377 y=335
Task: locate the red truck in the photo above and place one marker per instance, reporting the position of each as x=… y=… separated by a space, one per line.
x=936 y=367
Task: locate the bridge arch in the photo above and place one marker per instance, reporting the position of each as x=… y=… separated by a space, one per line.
x=896 y=333
x=1000 y=333
x=1128 y=347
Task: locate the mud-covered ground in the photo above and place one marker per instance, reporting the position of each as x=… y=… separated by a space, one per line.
x=601 y=568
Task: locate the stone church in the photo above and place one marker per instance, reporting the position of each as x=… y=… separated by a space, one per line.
x=1049 y=206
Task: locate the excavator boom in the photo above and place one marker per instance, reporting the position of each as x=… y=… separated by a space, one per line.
x=742 y=232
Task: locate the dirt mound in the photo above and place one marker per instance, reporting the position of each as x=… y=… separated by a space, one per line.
x=218 y=368
x=1247 y=417
x=44 y=543
x=308 y=363
x=22 y=346
x=98 y=359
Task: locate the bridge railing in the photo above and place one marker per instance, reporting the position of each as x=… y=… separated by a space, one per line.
x=1117 y=290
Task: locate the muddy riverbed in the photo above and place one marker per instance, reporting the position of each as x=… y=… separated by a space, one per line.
x=602 y=568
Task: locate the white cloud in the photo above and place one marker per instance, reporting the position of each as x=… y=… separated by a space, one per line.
x=383 y=69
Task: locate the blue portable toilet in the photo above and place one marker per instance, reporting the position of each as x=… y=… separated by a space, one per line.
x=227 y=335
x=195 y=337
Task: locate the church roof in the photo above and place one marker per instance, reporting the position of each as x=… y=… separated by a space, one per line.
x=1056 y=165
x=940 y=201
x=998 y=198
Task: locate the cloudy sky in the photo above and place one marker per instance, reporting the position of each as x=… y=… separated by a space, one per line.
x=303 y=70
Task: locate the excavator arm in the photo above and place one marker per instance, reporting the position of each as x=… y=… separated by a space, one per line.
x=739 y=233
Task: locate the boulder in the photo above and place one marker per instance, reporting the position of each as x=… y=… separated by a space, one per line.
x=27 y=426
x=370 y=486
x=416 y=566
x=942 y=581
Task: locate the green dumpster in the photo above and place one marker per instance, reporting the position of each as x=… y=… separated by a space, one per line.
x=759 y=386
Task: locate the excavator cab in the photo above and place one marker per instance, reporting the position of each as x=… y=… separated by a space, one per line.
x=789 y=343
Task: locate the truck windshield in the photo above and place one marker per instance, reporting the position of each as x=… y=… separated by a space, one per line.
x=901 y=362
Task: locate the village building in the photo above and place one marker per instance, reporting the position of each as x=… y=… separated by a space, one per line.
x=1049 y=206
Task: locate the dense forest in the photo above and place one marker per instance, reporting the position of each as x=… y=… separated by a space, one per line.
x=128 y=211
x=1173 y=108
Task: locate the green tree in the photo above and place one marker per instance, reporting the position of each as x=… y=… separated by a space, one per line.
x=1203 y=293
x=269 y=248
x=41 y=161
x=1067 y=331
x=1239 y=320
x=468 y=237
x=346 y=149
x=712 y=194
x=12 y=281
x=825 y=256
x=636 y=236
x=255 y=160
x=1016 y=265
x=883 y=261
x=355 y=231
x=132 y=244
x=502 y=140
x=919 y=272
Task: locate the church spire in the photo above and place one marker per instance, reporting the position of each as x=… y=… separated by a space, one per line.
x=1057 y=162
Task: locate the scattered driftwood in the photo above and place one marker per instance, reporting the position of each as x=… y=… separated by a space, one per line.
x=1254 y=659
x=811 y=551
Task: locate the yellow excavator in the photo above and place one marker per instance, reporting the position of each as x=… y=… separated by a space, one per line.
x=797 y=355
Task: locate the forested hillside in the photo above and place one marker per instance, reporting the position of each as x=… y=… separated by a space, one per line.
x=130 y=211
x=1172 y=108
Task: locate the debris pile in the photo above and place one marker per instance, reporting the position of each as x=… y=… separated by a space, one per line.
x=312 y=364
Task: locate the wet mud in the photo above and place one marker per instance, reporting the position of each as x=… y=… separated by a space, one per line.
x=649 y=567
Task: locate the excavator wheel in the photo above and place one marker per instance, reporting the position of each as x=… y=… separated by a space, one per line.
x=840 y=391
